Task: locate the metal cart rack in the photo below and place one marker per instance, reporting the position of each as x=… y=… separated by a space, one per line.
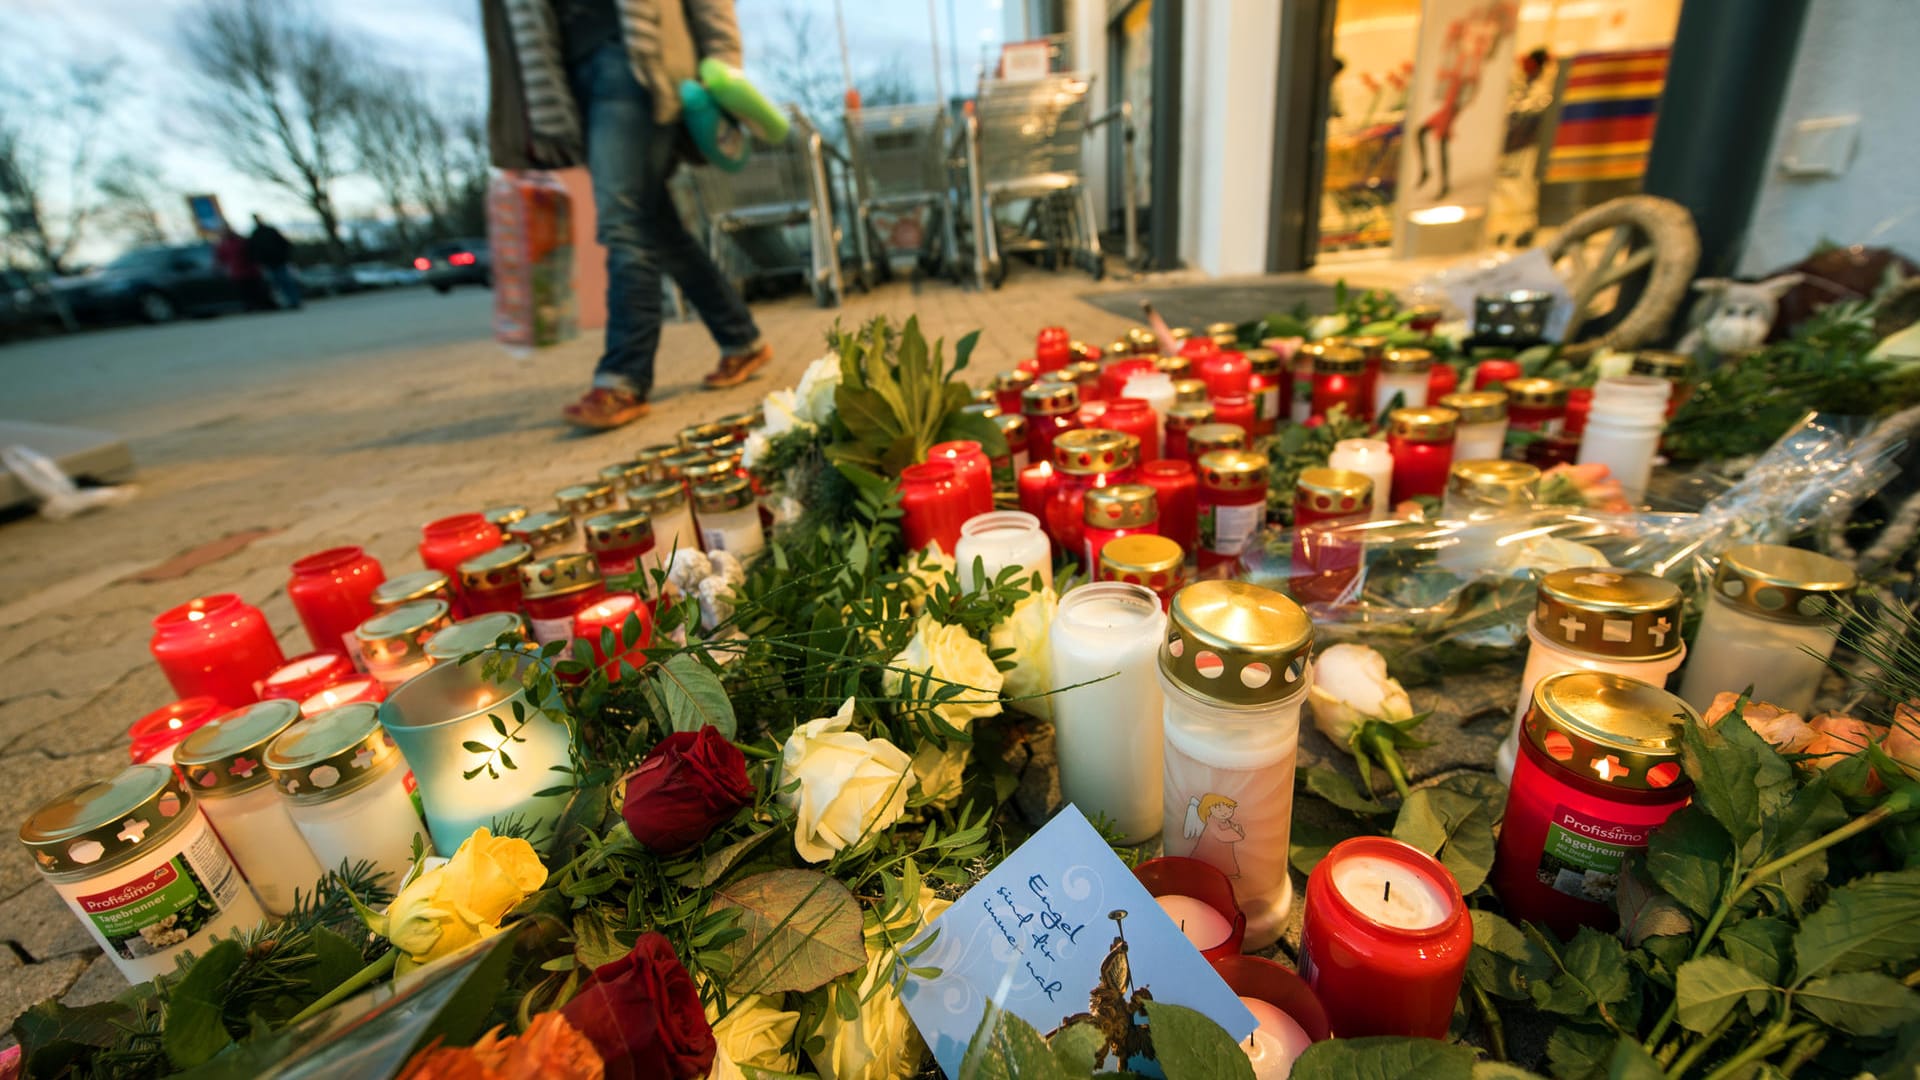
x=1025 y=142
x=900 y=165
x=751 y=214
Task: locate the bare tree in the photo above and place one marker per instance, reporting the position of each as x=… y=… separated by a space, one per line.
x=383 y=127
x=277 y=91
x=428 y=158
x=47 y=169
x=130 y=189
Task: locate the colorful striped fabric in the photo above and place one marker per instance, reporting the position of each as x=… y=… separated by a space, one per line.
x=1606 y=116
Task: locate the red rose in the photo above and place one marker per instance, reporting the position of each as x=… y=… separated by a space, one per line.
x=644 y=1016
x=689 y=785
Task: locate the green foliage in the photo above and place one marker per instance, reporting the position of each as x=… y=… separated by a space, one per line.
x=897 y=398
x=1303 y=446
x=800 y=930
x=1186 y=1045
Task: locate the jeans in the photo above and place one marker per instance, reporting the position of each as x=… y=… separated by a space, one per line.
x=630 y=158
x=285 y=284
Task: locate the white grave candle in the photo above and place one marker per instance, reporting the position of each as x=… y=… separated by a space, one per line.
x=1371 y=459
x=1203 y=926
x=1001 y=539
x=1107 y=735
x=1390 y=894
x=1274 y=1045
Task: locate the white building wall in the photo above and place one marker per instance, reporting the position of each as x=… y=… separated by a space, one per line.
x=1229 y=76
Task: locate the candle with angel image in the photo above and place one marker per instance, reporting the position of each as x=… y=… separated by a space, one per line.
x=1211 y=827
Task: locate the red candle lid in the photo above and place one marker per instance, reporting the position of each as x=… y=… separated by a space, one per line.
x=168 y=724
x=331 y=559
x=456 y=525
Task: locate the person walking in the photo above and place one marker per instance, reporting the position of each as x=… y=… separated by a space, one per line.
x=598 y=81
x=272 y=252
x=231 y=253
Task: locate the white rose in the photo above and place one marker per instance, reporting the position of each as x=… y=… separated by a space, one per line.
x=1326 y=326
x=1351 y=685
x=814 y=394
x=757 y=1032
x=686 y=568
x=782 y=411
x=1026 y=632
x=850 y=785
x=947 y=654
x=880 y=1043
x=754 y=449
x=940 y=772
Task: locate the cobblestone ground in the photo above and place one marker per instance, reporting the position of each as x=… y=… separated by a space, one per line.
x=240 y=477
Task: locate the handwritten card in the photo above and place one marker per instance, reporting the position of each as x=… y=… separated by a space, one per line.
x=1060 y=932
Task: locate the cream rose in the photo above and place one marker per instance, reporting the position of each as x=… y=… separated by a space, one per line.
x=814 y=394
x=1351 y=686
x=940 y=772
x=926 y=569
x=1027 y=633
x=850 y=785
x=880 y=1043
x=757 y=1032
x=782 y=409
x=940 y=655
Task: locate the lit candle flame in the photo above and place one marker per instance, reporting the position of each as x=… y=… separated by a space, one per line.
x=196 y=616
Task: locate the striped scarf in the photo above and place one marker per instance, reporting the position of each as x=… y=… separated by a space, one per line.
x=552 y=116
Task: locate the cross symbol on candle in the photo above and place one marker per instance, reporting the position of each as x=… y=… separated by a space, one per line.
x=243 y=768
x=132 y=831
x=1609 y=767
x=1596 y=579
x=364 y=758
x=1573 y=627
x=1659 y=631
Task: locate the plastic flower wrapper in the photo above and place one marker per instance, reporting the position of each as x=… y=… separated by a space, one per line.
x=1357 y=705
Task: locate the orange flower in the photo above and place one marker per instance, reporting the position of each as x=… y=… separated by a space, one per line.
x=551 y=1049
x=1788 y=733
x=1838 y=737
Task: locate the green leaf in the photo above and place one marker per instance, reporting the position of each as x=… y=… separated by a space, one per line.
x=868 y=414
x=802 y=930
x=1005 y=1047
x=973 y=426
x=715 y=866
x=1761 y=945
x=335 y=960
x=1592 y=971
x=1688 y=857
x=1501 y=1070
x=1871 y=922
x=1737 y=778
x=594 y=943
x=195 y=1029
x=1644 y=912
x=1311 y=841
x=1504 y=963
x=963 y=352
x=1384 y=1057
x=1860 y=1002
x=1708 y=988
x=1579 y=1051
x=1189 y=1046
x=1630 y=1061
x=56 y=1039
x=1457 y=829
x=1338 y=789
x=693 y=696
x=1074 y=1047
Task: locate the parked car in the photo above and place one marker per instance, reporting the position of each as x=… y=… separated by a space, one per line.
x=326 y=279
x=456 y=262
x=376 y=275
x=28 y=305
x=156 y=284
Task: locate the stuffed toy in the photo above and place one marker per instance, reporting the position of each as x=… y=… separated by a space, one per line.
x=1735 y=316
x=718 y=106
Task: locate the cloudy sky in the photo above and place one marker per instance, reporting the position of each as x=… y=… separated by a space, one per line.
x=438 y=40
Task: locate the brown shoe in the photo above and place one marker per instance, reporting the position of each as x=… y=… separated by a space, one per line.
x=603 y=409
x=734 y=370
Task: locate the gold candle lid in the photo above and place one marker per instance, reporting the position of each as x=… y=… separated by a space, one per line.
x=223 y=756
x=1477 y=406
x=1187 y=415
x=1610 y=728
x=983 y=397
x=620 y=529
x=558 y=575
x=580 y=500
x=1430 y=425
x=1141 y=340
x=496 y=568
x=722 y=495
x=1370 y=347
x=1013 y=428
x=658 y=498
x=626 y=475
x=1088 y=451
x=103 y=823
x=1671 y=366
x=477 y=634
x=654 y=455
x=1049 y=398
x=982 y=406
x=330 y=754
x=547 y=529
x=1406 y=361
x=1234 y=643
x=1121 y=506
x=1263 y=361
x=1016 y=379
x=697 y=436
x=1189 y=390
x=1179 y=333
x=1334 y=491
x=1083 y=350
x=1232 y=470
x=1118 y=348
x=1206 y=438
x=739 y=423
x=1600 y=611
x=1083 y=372
x=1493 y=482
x=1536 y=393
x=1174 y=367
x=504 y=516
x=674 y=465
x=1215 y=329
x=407 y=588
x=400 y=636
x=707 y=472
x=1143 y=559
x=1783 y=583
x=1338 y=360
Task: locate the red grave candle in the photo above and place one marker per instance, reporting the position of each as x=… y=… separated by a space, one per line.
x=1421 y=442
x=1186 y=886
x=973 y=470
x=1326 y=559
x=618 y=539
x=553 y=589
x=1537 y=405
x=1035 y=479
x=1372 y=350
x=1090 y=412
x=304 y=676
x=1052 y=349
x=159 y=731
x=1233 y=504
x=1598 y=772
x=363 y=689
x=450 y=541
x=1290 y=1015
x=1050 y=410
x=1442 y=380
x=1136 y=418
x=332 y=592
x=1007 y=388
x=1271 y=389
x=1154 y=562
x=611 y=614
x=1494 y=373
x=1225 y=373
x=490 y=581
x=1177 y=493
x=1235 y=409
x=933 y=505
x=1084 y=460
x=1339 y=378
x=1385 y=940
x=1113 y=512
x=1579 y=404
x=1181 y=419
x=219 y=646
x=1113 y=377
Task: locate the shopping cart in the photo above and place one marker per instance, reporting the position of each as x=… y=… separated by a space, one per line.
x=1024 y=143
x=755 y=217
x=900 y=171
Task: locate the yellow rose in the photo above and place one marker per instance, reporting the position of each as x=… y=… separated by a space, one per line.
x=456 y=904
x=756 y=1032
x=902 y=927
x=880 y=1043
x=940 y=772
x=1028 y=633
x=949 y=655
x=850 y=785
x=927 y=568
